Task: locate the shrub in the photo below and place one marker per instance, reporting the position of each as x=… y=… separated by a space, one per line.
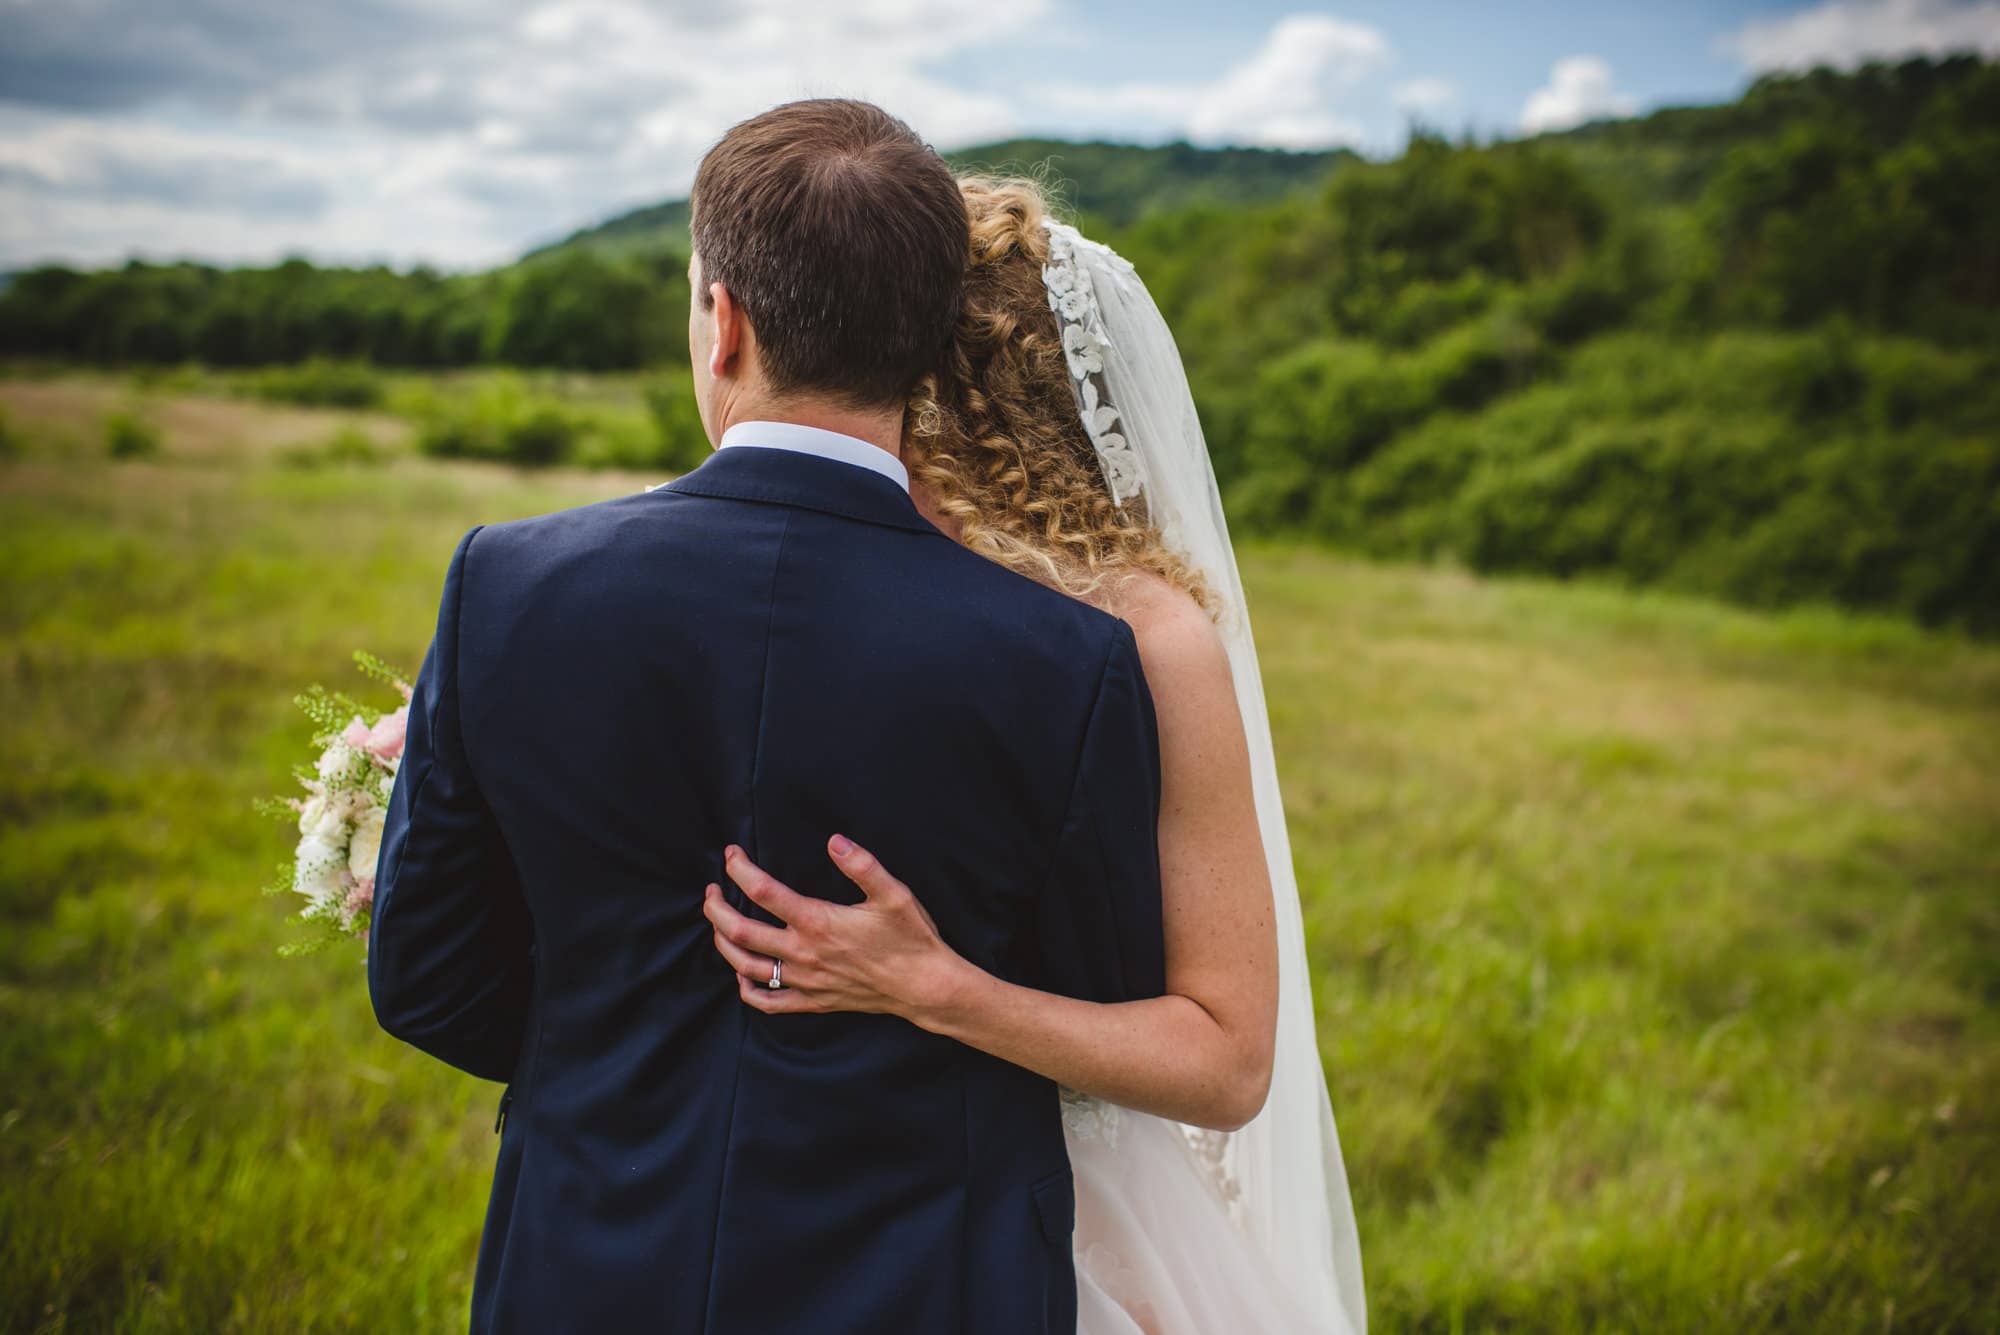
x=1818 y=377
x=129 y=436
x=1426 y=309
x=1320 y=415
x=683 y=441
x=619 y=440
x=1626 y=498
x=183 y=378
x=349 y=446
x=1770 y=468
x=502 y=421
x=1471 y=365
x=538 y=437
x=320 y=383
x=1907 y=524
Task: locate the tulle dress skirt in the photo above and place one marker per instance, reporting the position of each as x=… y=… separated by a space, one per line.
x=1156 y=1250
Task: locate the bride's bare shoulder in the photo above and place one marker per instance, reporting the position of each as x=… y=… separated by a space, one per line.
x=1186 y=665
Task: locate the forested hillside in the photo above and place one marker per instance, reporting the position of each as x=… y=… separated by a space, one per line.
x=608 y=297
x=1115 y=184
x=1751 y=349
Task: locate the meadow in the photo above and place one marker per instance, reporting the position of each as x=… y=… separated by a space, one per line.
x=1656 y=942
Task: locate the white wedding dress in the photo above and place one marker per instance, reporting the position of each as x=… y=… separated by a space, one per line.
x=1156 y=1251
x=1181 y=1231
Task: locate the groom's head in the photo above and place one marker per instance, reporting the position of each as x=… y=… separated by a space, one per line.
x=829 y=260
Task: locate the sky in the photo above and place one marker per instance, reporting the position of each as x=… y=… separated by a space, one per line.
x=457 y=133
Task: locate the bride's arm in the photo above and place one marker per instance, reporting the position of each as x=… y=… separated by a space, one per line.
x=1201 y=1054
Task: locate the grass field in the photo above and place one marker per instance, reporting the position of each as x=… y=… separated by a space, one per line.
x=1657 y=944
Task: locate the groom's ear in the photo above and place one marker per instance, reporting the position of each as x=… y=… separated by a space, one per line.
x=725 y=353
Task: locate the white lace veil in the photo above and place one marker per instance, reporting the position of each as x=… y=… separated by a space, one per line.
x=1282 y=1173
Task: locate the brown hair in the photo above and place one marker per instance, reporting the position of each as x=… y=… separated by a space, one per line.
x=995 y=436
x=841 y=234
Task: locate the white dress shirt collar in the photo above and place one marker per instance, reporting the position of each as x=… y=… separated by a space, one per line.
x=820 y=442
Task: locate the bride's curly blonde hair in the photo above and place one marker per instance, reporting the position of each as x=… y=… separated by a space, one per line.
x=994 y=435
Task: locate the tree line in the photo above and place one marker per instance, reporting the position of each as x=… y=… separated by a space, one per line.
x=579 y=310
x=1869 y=195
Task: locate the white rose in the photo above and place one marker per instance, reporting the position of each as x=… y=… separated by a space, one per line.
x=337 y=761
x=311 y=813
x=317 y=875
x=322 y=819
x=367 y=844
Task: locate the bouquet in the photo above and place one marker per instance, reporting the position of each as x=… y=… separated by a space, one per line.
x=340 y=818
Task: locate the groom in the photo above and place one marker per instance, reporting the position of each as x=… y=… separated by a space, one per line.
x=774 y=649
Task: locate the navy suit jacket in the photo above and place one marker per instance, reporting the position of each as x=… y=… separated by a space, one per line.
x=771 y=649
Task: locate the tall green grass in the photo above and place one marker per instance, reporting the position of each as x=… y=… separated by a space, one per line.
x=1655 y=943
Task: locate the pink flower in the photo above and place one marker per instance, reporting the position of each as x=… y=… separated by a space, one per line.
x=356 y=735
x=385 y=739
x=361 y=897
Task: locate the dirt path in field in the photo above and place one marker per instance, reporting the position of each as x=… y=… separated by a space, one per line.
x=195 y=426
x=64 y=420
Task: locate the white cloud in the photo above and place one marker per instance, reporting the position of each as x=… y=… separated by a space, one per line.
x=496 y=124
x=155 y=166
x=1580 y=89
x=1287 y=94
x=90 y=190
x=1420 y=95
x=1846 y=33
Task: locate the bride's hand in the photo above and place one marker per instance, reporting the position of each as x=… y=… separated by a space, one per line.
x=883 y=955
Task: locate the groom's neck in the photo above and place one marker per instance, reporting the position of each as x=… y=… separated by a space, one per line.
x=880 y=427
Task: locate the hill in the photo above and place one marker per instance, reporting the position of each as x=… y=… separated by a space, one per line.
x=1114 y=184
x=1668 y=156
x=646 y=227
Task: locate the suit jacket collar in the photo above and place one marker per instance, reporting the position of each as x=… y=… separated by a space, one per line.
x=807 y=482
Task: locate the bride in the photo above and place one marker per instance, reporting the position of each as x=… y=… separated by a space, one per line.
x=1060 y=439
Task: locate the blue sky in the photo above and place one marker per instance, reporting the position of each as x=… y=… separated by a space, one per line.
x=1493 y=55
x=456 y=132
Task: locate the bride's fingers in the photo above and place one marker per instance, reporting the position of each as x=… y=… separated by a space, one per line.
x=745 y=962
x=774 y=1001
x=746 y=932
x=753 y=972
x=861 y=867
x=765 y=890
x=881 y=889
